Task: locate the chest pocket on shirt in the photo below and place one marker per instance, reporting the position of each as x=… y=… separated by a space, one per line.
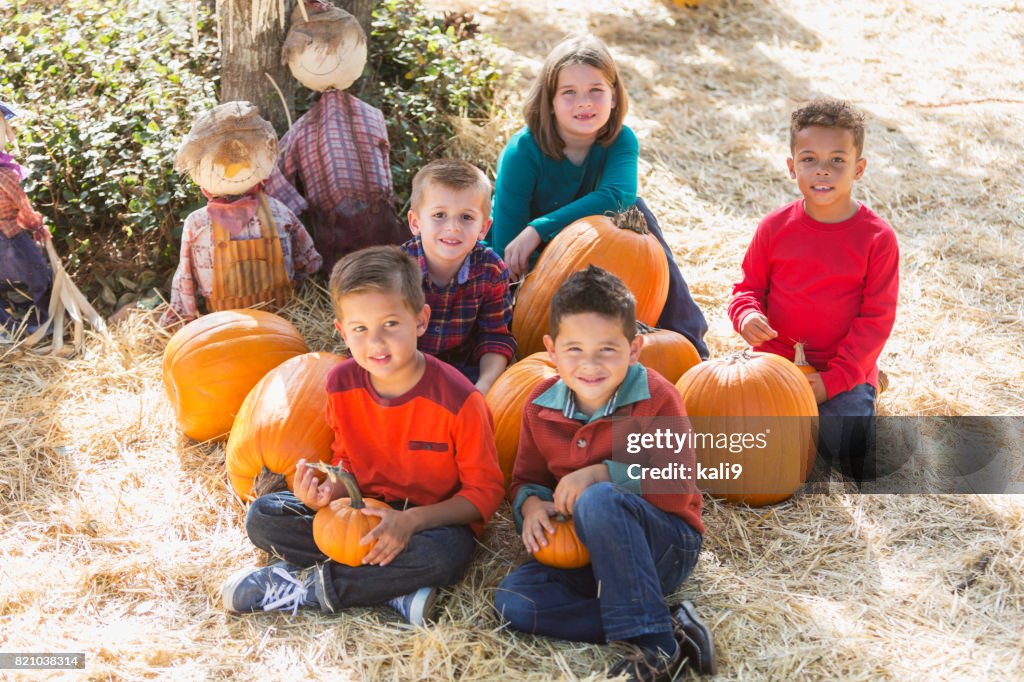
x=426 y=445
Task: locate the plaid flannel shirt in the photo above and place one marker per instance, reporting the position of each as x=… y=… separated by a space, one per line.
x=194 y=276
x=320 y=155
x=473 y=314
x=16 y=212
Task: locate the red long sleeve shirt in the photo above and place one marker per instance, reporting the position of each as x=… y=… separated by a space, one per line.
x=832 y=286
x=432 y=443
x=552 y=445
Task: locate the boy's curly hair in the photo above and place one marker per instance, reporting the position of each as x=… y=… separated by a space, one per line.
x=829 y=113
x=377 y=268
x=594 y=290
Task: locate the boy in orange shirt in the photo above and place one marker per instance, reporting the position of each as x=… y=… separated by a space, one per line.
x=412 y=431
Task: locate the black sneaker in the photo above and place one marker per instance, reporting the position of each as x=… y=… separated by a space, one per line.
x=278 y=587
x=646 y=665
x=416 y=607
x=695 y=642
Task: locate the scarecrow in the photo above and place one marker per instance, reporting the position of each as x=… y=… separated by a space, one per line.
x=336 y=154
x=243 y=248
x=25 y=276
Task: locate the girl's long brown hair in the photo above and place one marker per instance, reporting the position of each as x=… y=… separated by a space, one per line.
x=579 y=49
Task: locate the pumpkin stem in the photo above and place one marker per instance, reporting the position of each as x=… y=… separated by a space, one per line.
x=561 y=518
x=336 y=473
x=799 y=358
x=642 y=328
x=352 y=488
x=631 y=219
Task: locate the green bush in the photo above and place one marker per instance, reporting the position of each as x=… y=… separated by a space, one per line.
x=113 y=87
x=422 y=70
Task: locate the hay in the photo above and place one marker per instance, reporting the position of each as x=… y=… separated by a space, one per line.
x=119 y=533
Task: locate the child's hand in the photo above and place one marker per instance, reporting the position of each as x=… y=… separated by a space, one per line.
x=537 y=524
x=392 y=535
x=311 y=493
x=756 y=330
x=820 y=394
x=572 y=486
x=519 y=250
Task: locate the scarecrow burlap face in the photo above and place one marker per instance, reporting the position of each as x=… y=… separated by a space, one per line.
x=229 y=149
x=327 y=51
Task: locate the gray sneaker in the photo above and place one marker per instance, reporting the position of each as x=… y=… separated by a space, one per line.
x=278 y=587
x=416 y=607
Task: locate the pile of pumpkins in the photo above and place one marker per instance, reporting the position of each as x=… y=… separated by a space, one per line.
x=248 y=374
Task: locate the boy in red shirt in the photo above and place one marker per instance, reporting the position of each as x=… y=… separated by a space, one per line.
x=412 y=431
x=565 y=465
x=824 y=271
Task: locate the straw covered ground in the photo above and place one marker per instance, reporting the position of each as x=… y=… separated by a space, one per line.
x=118 y=532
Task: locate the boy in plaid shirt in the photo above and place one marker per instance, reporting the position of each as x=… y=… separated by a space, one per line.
x=465 y=282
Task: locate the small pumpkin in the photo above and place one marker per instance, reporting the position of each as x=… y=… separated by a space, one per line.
x=338 y=527
x=282 y=421
x=667 y=352
x=212 y=363
x=564 y=549
x=620 y=243
x=507 y=400
x=747 y=394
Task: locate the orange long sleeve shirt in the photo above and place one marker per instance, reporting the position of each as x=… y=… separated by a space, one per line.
x=432 y=443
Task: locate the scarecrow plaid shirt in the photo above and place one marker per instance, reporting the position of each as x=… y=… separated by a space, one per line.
x=321 y=152
x=16 y=212
x=194 y=276
x=472 y=315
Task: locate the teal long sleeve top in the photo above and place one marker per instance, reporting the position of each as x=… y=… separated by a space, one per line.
x=549 y=194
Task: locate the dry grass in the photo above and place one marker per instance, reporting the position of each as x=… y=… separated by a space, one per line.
x=118 y=532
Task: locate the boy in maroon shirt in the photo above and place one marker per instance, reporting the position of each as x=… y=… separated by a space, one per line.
x=571 y=461
x=824 y=271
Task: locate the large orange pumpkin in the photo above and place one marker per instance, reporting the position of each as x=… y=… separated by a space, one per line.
x=667 y=352
x=564 y=549
x=338 y=527
x=212 y=363
x=507 y=400
x=620 y=244
x=282 y=421
x=738 y=398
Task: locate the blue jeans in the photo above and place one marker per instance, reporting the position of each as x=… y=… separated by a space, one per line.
x=23 y=269
x=846 y=432
x=639 y=553
x=681 y=313
x=282 y=526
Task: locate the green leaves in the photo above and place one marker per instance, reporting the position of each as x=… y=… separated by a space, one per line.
x=421 y=71
x=111 y=88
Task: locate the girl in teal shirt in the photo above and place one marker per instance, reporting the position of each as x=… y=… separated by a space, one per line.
x=574 y=159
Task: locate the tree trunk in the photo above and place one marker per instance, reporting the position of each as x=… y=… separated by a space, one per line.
x=360 y=9
x=251 y=35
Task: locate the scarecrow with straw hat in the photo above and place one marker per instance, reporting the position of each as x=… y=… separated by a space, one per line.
x=334 y=160
x=243 y=248
x=25 y=276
